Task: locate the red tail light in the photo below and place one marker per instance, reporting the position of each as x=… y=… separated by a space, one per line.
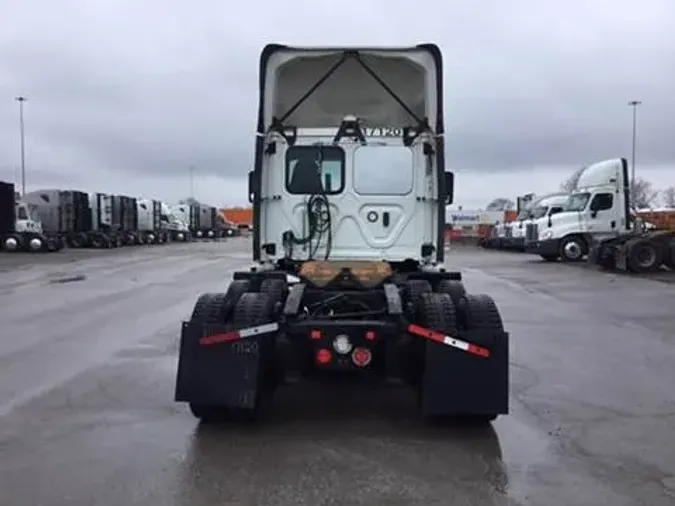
x=370 y=335
x=361 y=357
x=324 y=357
x=315 y=334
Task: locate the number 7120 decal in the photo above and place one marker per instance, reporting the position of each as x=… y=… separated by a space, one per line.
x=382 y=131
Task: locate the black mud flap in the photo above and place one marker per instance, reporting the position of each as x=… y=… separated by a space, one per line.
x=457 y=382
x=226 y=374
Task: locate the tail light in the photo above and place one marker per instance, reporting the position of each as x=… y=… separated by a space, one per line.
x=361 y=357
x=324 y=357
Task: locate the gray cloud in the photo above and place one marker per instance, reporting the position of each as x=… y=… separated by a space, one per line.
x=122 y=89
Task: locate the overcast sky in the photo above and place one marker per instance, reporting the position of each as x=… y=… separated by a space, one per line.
x=124 y=96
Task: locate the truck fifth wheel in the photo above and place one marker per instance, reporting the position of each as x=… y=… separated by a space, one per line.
x=347 y=274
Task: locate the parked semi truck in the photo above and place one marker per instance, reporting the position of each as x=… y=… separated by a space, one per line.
x=208 y=222
x=153 y=224
x=104 y=228
x=124 y=228
x=179 y=230
x=510 y=236
x=188 y=214
x=20 y=226
x=95 y=220
x=355 y=286
x=598 y=208
x=539 y=214
x=64 y=213
x=597 y=216
x=515 y=235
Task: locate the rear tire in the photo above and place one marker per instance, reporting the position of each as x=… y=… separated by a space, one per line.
x=643 y=255
x=481 y=313
x=435 y=311
x=250 y=310
x=277 y=291
x=209 y=309
x=414 y=289
x=455 y=289
x=235 y=290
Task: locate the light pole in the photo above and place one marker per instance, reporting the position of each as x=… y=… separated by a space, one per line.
x=192 y=182
x=634 y=104
x=21 y=100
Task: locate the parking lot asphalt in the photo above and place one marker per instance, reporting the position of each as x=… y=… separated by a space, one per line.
x=88 y=352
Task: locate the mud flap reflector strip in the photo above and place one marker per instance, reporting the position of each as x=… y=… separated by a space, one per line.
x=449 y=341
x=235 y=335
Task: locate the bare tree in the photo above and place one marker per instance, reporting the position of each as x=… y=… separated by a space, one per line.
x=643 y=195
x=569 y=184
x=501 y=204
x=668 y=197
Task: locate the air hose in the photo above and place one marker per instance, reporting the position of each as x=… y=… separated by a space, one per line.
x=319 y=225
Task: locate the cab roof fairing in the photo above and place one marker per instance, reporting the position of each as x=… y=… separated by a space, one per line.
x=601 y=173
x=287 y=74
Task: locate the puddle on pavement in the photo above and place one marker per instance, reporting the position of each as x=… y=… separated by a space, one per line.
x=525 y=451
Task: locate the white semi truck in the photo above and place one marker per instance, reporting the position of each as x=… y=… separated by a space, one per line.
x=151 y=228
x=513 y=236
x=20 y=226
x=346 y=282
x=514 y=233
x=175 y=223
x=597 y=209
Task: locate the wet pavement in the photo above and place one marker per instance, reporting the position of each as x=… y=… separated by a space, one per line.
x=87 y=418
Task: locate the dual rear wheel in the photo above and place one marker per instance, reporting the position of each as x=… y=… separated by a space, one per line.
x=445 y=310
x=448 y=310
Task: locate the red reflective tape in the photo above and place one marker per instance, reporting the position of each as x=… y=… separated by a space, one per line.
x=449 y=341
x=478 y=350
x=426 y=333
x=220 y=338
x=235 y=335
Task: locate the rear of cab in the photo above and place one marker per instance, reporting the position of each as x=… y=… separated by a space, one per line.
x=385 y=185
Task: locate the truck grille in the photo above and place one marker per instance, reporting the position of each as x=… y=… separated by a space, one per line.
x=531 y=232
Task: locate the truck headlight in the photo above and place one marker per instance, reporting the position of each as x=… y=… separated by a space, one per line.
x=546 y=235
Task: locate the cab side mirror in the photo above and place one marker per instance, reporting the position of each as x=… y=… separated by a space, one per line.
x=449 y=187
x=595 y=207
x=253 y=185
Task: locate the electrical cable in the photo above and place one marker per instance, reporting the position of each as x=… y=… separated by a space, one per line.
x=318 y=219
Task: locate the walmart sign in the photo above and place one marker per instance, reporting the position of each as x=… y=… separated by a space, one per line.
x=473 y=217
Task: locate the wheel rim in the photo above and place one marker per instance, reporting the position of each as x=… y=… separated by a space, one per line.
x=11 y=244
x=646 y=257
x=572 y=250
